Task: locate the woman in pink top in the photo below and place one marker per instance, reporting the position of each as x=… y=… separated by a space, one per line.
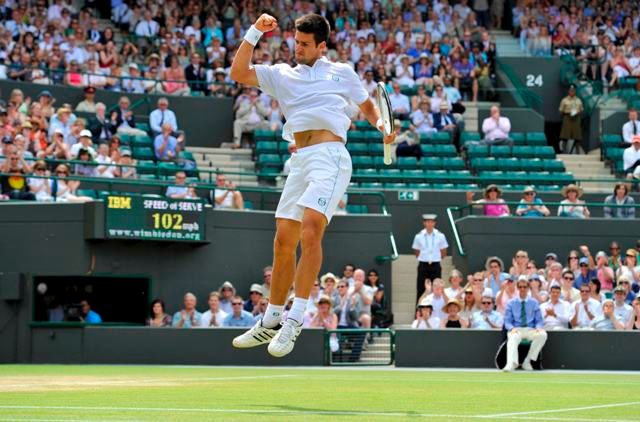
x=174 y=79
x=493 y=205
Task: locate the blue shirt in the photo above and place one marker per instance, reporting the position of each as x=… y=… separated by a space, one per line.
x=245 y=320
x=582 y=280
x=512 y=313
x=197 y=319
x=158 y=117
x=531 y=213
x=478 y=321
x=92 y=318
x=171 y=146
x=494 y=284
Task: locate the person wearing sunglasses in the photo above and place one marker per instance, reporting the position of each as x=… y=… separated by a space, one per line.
x=568 y=292
x=238 y=316
x=530 y=206
x=486 y=318
x=523 y=321
x=585 y=310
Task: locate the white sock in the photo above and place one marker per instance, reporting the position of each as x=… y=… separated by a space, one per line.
x=272 y=316
x=296 y=312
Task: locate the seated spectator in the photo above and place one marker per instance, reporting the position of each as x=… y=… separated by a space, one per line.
x=157 y=315
x=605 y=273
x=607 y=320
x=407 y=143
x=219 y=87
x=14 y=185
x=99 y=125
x=530 y=206
x=586 y=310
x=126 y=166
x=586 y=271
x=86 y=167
x=614 y=203
x=275 y=116
x=88 y=105
x=631 y=127
x=40 y=186
x=434 y=291
x=85 y=143
x=123 y=120
x=227 y=291
x=452 y=318
x=572 y=206
x=214 y=316
x=225 y=195
x=523 y=321
x=455 y=290
x=422 y=119
x=238 y=316
x=196 y=74
x=255 y=295
x=469 y=304
x=328 y=284
x=631 y=155
x=594 y=286
x=486 y=318
x=325 y=318
x=507 y=292
x=439 y=96
x=93 y=76
x=106 y=167
x=162 y=115
x=496 y=129
x=88 y=316
x=63 y=122
x=399 y=103
x=165 y=145
x=492 y=204
x=424 y=316
x=174 y=81
x=623 y=281
x=188 y=317
x=73 y=76
x=634 y=320
x=569 y=293
x=347 y=307
x=363 y=294
x=250 y=115
x=445 y=121
x=538 y=291
x=622 y=310
x=180 y=190
x=555 y=312
x=495 y=274
x=134 y=83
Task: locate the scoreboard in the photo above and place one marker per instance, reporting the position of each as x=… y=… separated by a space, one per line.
x=150 y=218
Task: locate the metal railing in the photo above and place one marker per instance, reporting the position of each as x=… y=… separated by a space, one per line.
x=359 y=347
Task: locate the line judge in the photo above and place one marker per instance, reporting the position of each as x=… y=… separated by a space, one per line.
x=430 y=247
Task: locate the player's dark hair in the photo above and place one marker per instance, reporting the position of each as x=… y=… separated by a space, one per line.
x=316 y=25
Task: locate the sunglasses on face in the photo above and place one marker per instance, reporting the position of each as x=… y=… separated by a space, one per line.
x=487 y=303
x=585 y=291
x=573 y=257
x=528 y=194
x=568 y=278
x=341 y=287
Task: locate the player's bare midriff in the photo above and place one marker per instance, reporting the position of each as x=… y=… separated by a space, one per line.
x=314 y=137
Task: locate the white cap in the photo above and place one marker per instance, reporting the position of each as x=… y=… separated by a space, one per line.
x=86 y=133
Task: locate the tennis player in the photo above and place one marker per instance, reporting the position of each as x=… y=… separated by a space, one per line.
x=314 y=96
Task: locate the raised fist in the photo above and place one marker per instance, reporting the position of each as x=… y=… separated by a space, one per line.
x=266 y=23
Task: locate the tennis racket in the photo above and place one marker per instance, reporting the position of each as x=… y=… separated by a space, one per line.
x=386 y=114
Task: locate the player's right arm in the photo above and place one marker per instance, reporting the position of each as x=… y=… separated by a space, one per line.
x=241 y=69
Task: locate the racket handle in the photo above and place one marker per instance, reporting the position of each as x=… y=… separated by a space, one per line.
x=387 y=154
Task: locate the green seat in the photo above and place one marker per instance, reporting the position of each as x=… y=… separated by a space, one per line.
x=283 y=147
x=143 y=126
x=453 y=163
x=126 y=138
x=357 y=148
x=484 y=164
x=362 y=161
x=357 y=209
x=548 y=188
x=365 y=174
x=144 y=153
x=373 y=136
x=489 y=177
x=187 y=155
x=448 y=150
x=441 y=137
x=459 y=176
x=540 y=178
x=422 y=186
x=440 y=176
x=371 y=185
x=269 y=160
x=167 y=169
x=405 y=125
x=148 y=177
x=267 y=147
x=390 y=175
x=553 y=166
x=146 y=167
x=407 y=163
x=509 y=164
x=466 y=186
x=545 y=152
x=614 y=153
x=517 y=177
x=142 y=141
x=469 y=136
x=263 y=135
x=478 y=151
x=378 y=162
x=362 y=125
x=355 y=136
x=536 y=139
x=501 y=151
x=86 y=192
x=523 y=152
x=532 y=164
x=518 y=138
x=443 y=186
x=431 y=163
x=395 y=185
x=611 y=140
x=428 y=150
x=376 y=148
x=413 y=176
x=409 y=90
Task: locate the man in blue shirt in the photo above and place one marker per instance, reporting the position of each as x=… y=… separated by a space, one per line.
x=165 y=145
x=523 y=321
x=89 y=316
x=586 y=273
x=239 y=317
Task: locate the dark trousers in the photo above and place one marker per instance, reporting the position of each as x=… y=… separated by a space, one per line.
x=426 y=270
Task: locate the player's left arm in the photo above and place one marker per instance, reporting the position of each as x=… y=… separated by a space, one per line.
x=372 y=114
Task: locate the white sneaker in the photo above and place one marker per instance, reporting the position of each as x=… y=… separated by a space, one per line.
x=509 y=368
x=256 y=336
x=285 y=339
x=526 y=365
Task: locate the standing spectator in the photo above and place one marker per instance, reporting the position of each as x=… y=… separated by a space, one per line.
x=634 y=321
x=486 y=318
x=571 y=109
x=196 y=75
x=162 y=115
x=275 y=117
x=238 y=316
x=496 y=128
x=586 y=309
x=89 y=316
x=214 y=316
x=88 y=105
x=399 y=103
x=614 y=204
x=346 y=308
x=424 y=316
x=556 y=312
x=225 y=195
x=147 y=27
x=572 y=206
x=530 y=206
x=364 y=295
x=455 y=291
x=255 y=295
x=605 y=273
x=267 y=272
x=452 y=318
x=157 y=315
x=631 y=127
x=507 y=292
x=523 y=321
x=430 y=247
x=63 y=122
x=188 y=317
x=631 y=155
x=250 y=115
x=165 y=145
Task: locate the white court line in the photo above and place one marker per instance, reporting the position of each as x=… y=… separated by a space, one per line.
x=497 y=381
x=284 y=412
x=572 y=409
x=67 y=420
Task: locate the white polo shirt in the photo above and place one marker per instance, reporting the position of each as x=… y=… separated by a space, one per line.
x=583 y=319
x=313 y=97
x=429 y=246
x=563 y=314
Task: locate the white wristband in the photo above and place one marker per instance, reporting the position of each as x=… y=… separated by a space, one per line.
x=253 y=35
x=379 y=123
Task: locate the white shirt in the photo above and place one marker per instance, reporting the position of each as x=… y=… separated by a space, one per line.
x=437 y=303
x=627 y=130
x=420 y=324
x=313 y=97
x=623 y=313
x=399 y=101
x=205 y=320
x=106 y=161
x=430 y=246
x=563 y=314
x=228 y=200
x=451 y=293
x=75 y=148
x=583 y=319
x=157 y=118
x=147 y=28
x=630 y=156
x=496 y=130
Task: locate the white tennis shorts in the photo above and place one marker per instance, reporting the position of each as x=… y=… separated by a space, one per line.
x=318 y=179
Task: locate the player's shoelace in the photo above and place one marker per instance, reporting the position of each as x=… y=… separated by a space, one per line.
x=261 y=333
x=288 y=333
